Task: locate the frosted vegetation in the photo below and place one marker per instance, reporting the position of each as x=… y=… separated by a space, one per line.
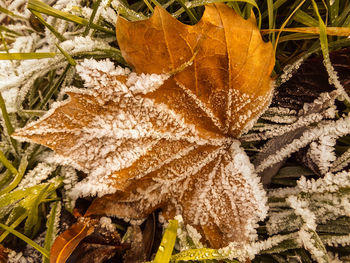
x=308 y=205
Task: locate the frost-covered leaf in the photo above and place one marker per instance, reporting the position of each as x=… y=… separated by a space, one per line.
x=217 y=91
x=165 y=137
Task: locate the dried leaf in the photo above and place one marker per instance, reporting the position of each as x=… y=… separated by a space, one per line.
x=88 y=240
x=217 y=91
x=66 y=243
x=168 y=141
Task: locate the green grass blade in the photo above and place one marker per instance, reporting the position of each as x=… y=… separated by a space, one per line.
x=5 y=115
x=36 y=5
x=10 y=13
x=342 y=17
x=93 y=14
x=7 y=163
x=15 y=196
x=235 y=7
x=51 y=227
x=167 y=244
x=7 y=121
x=334 y=10
x=49 y=27
x=22 y=56
x=149 y=6
x=130 y=14
x=13 y=226
x=199 y=254
x=287 y=20
x=305 y=19
x=5 y=29
x=33 y=212
x=276 y=5
x=271 y=19
x=191 y=15
x=68 y=57
x=30 y=242
x=4 y=179
x=323 y=32
x=21 y=170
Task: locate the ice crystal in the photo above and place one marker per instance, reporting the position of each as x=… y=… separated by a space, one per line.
x=37 y=175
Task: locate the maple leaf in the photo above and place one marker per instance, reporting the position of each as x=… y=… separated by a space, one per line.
x=160 y=138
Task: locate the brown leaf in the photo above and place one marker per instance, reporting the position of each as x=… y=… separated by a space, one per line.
x=168 y=141
x=227 y=85
x=86 y=241
x=66 y=243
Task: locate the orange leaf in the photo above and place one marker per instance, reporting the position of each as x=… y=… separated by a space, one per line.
x=65 y=243
x=228 y=84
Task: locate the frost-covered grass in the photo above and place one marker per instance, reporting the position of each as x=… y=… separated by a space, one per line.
x=42 y=41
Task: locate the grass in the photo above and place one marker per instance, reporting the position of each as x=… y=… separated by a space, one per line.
x=297 y=29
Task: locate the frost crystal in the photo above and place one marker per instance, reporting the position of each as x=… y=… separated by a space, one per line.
x=37 y=175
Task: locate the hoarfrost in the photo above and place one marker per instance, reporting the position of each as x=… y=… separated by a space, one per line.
x=40 y=173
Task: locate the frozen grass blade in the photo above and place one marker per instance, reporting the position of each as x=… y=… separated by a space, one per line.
x=22 y=56
x=7 y=121
x=200 y=254
x=91 y=20
x=5 y=29
x=67 y=56
x=51 y=228
x=26 y=239
x=5 y=116
x=324 y=47
x=167 y=244
x=38 y=6
x=129 y=13
x=10 y=13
